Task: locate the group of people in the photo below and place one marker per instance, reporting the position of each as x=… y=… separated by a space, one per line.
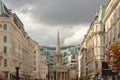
x=2 y=76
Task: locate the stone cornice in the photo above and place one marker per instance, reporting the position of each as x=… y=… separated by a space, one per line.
x=111 y=9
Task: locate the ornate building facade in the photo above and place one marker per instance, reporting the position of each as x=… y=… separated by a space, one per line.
x=111 y=22
x=92 y=48
x=103 y=31
x=37 y=61
x=16 y=46
x=43 y=66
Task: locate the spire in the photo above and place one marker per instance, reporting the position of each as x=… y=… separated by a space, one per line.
x=58 y=55
x=1 y=8
x=58 y=44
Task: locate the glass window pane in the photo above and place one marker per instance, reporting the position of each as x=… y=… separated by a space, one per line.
x=5 y=62
x=5 y=26
x=5 y=39
x=5 y=50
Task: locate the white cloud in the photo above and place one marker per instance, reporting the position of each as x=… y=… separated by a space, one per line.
x=78 y=35
x=57 y=12
x=46 y=35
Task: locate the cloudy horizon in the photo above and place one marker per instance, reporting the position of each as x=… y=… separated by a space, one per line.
x=43 y=18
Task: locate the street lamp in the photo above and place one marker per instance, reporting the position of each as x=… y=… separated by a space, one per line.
x=55 y=75
x=48 y=69
x=17 y=73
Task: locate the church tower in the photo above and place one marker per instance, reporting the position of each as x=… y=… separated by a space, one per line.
x=58 y=55
x=2 y=10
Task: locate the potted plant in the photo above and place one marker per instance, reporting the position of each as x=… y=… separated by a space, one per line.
x=113 y=56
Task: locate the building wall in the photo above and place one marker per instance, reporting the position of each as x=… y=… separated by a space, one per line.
x=92 y=47
x=37 y=61
x=16 y=46
x=82 y=59
x=43 y=66
x=101 y=34
x=112 y=22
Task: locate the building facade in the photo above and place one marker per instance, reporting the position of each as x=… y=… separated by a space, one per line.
x=103 y=31
x=92 y=48
x=16 y=46
x=111 y=22
x=43 y=67
x=82 y=60
x=37 y=61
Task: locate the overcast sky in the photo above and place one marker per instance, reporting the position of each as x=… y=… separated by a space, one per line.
x=43 y=18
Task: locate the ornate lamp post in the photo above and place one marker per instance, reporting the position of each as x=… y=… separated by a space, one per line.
x=17 y=73
x=48 y=70
x=55 y=75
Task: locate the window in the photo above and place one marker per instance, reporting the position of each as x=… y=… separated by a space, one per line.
x=111 y=22
x=115 y=16
x=96 y=64
x=97 y=28
x=119 y=27
x=97 y=41
x=104 y=29
x=5 y=50
x=86 y=70
x=118 y=12
x=5 y=62
x=34 y=69
x=5 y=26
x=106 y=39
x=5 y=39
x=103 y=39
x=115 y=33
x=34 y=62
x=34 y=52
x=58 y=58
x=111 y=35
x=86 y=59
x=73 y=56
x=19 y=47
x=34 y=56
x=97 y=51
